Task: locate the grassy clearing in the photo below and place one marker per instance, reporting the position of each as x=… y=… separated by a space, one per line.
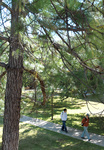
x=76 y=110
x=36 y=138
x=40 y=139
x=32 y=138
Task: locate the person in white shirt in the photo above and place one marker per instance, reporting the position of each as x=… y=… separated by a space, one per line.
x=64 y=118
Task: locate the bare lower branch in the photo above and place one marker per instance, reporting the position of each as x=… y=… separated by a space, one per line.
x=2 y=74
x=6 y=6
x=74 y=29
x=3 y=50
x=4 y=38
x=2 y=44
x=3 y=65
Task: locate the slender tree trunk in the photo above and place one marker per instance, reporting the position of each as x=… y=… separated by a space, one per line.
x=13 y=87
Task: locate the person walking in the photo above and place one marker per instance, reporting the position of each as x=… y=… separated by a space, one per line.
x=85 y=124
x=64 y=118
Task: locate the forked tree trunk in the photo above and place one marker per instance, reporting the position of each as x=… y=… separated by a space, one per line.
x=13 y=87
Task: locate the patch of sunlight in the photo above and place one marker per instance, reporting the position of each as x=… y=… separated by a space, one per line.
x=71 y=98
x=67 y=144
x=33 y=133
x=24 y=128
x=85 y=107
x=95 y=107
x=48 y=119
x=56 y=116
x=21 y=129
x=1 y=131
x=27 y=91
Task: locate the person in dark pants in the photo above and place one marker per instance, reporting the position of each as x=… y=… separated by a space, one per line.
x=64 y=118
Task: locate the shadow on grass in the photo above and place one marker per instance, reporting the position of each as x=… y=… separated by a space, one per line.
x=95 y=98
x=1 y=120
x=40 y=139
x=49 y=112
x=57 y=107
x=97 y=123
x=58 y=104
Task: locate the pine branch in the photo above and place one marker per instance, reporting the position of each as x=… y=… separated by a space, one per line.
x=57 y=46
x=74 y=29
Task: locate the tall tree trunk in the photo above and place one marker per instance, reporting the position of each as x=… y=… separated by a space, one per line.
x=13 y=87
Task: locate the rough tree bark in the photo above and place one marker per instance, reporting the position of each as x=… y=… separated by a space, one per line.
x=13 y=86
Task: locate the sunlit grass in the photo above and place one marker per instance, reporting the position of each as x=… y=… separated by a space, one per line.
x=32 y=138
x=1 y=129
x=76 y=110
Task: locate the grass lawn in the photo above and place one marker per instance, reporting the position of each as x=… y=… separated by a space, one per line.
x=1 y=129
x=35 y=138
x=32 y=137
x=76 y=110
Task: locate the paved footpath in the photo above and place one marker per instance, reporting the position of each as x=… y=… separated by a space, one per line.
x=96 y=139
